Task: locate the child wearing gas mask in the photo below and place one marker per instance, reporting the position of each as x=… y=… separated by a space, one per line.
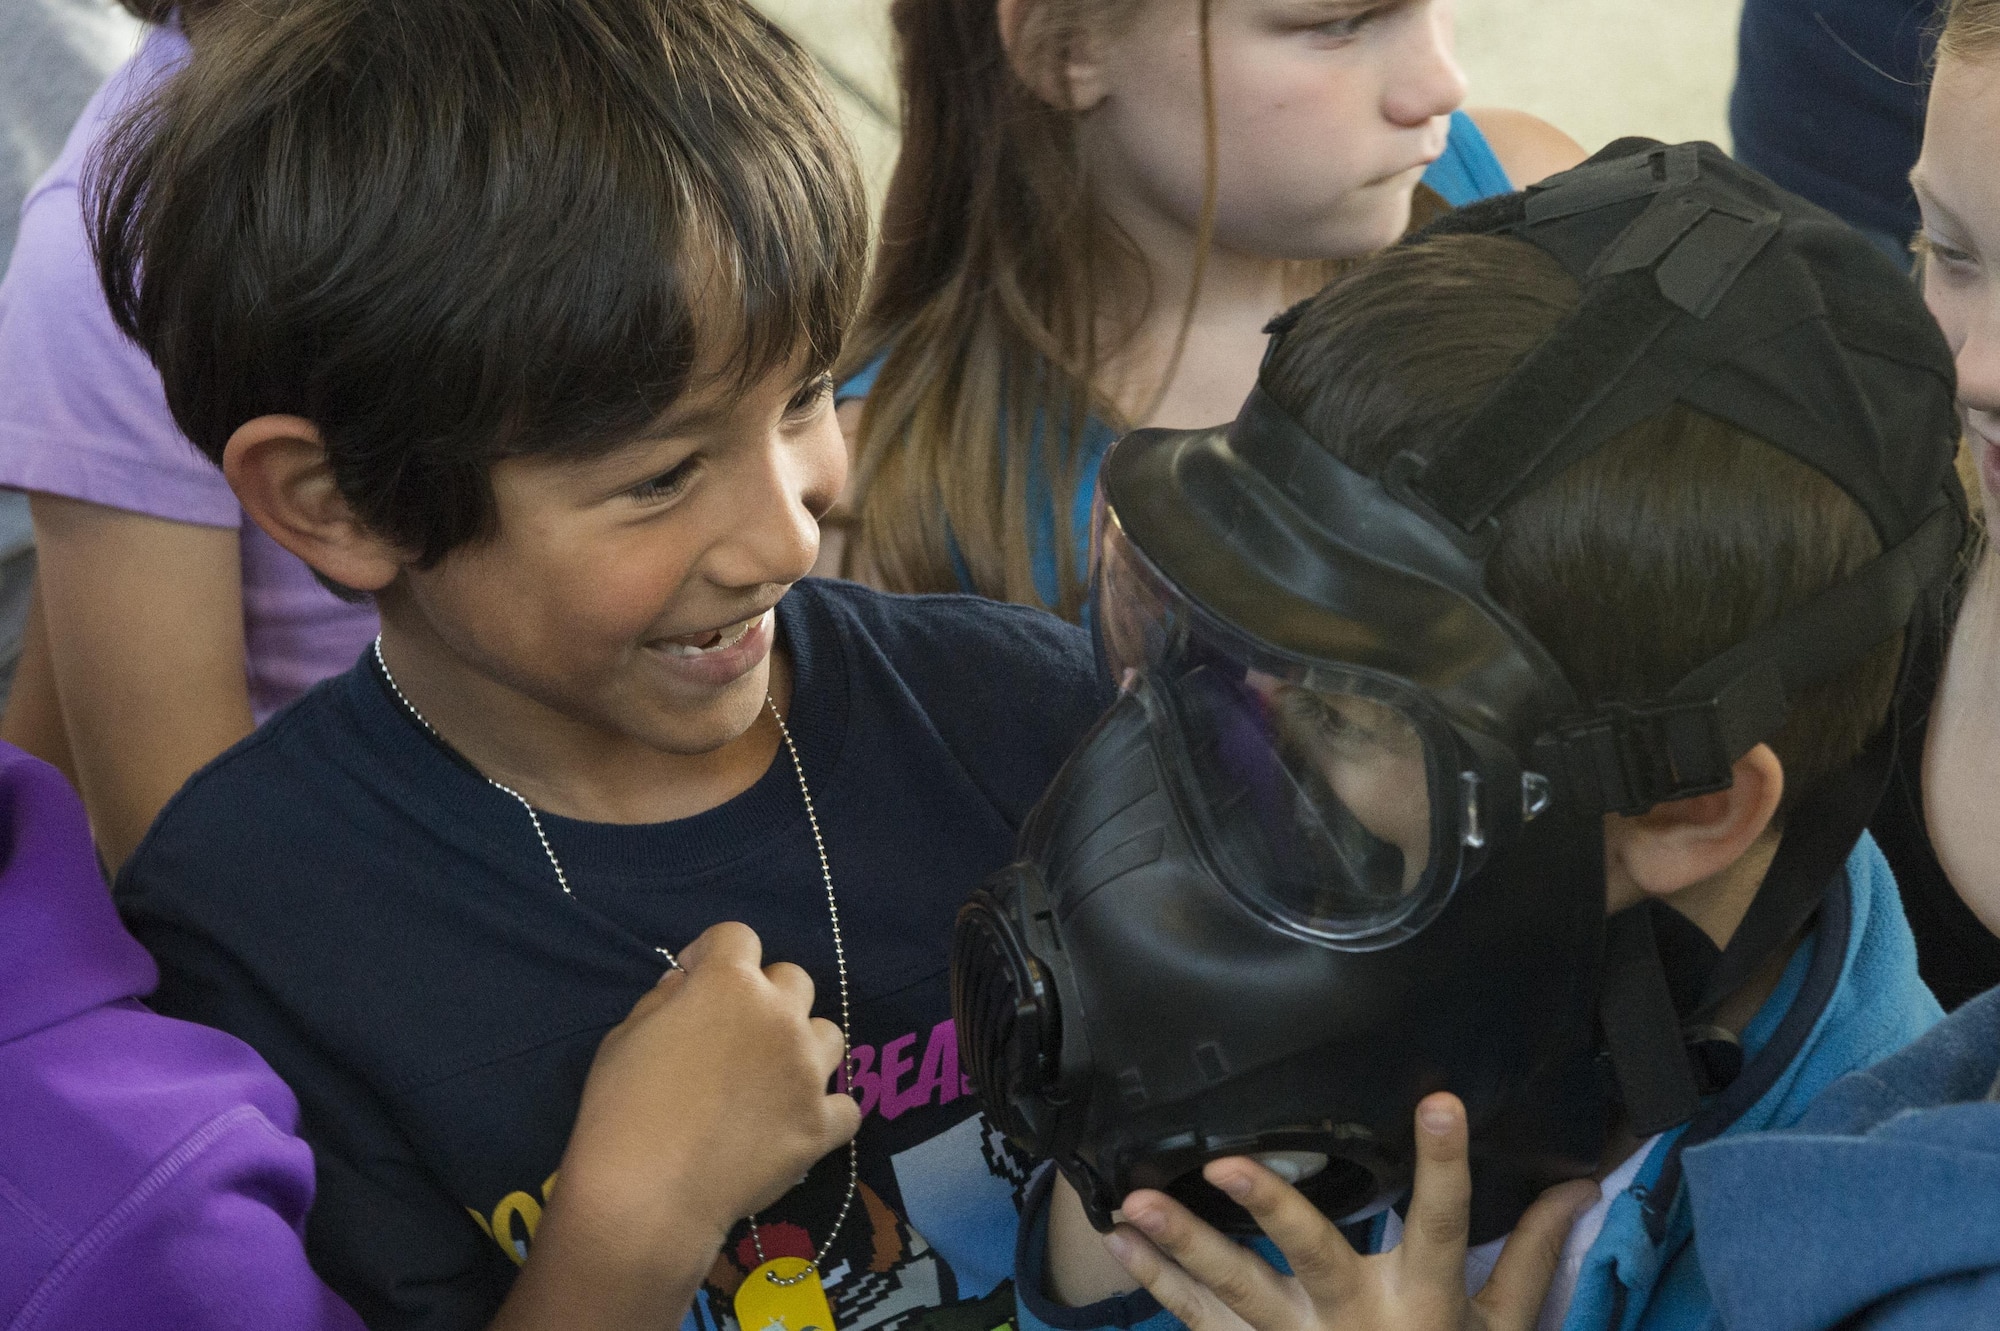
x=1505 y=695
x=1098 y=206
x=1877 y=1210
x=516 y=318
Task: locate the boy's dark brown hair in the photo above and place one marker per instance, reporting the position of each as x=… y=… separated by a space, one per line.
x=452 y=231
x=1648 y=558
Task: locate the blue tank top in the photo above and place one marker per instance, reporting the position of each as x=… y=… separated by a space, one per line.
x=1466 y=173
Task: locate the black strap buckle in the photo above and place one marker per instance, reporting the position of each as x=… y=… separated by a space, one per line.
x=1626 y=759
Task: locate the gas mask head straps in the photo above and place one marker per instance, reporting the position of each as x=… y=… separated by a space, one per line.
x=1703 y=284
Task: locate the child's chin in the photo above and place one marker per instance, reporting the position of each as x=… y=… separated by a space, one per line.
x=1375 y=220
x=693 y=730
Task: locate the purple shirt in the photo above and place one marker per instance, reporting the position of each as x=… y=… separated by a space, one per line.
x=82 y=415
x=149 y=1175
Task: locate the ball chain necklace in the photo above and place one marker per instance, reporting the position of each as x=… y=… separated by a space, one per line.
x=783 y=1293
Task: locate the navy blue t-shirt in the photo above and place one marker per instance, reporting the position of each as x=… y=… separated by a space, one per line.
x=347 y=895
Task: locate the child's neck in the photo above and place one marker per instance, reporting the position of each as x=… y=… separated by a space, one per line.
x=1239 y=294
x=565 y=765
x=1717 y=906
x=1719 y=912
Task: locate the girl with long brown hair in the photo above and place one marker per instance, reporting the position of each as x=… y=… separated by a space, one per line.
x=1099 y=205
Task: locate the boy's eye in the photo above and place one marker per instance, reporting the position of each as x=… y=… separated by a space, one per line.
x=667 y=485
x=810 y=395
x=1303 y=712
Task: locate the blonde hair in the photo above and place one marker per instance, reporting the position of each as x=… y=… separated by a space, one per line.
x=1971 y=30
x=993 y=299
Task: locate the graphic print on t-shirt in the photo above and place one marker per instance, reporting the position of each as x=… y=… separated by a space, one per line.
x=944 y=1264
x=934 y=1255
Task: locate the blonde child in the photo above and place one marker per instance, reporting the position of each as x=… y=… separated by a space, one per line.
x=1099 y=205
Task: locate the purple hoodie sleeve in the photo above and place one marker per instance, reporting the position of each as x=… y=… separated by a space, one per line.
x=208 y=1240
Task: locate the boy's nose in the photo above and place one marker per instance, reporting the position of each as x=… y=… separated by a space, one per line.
x=777 y=539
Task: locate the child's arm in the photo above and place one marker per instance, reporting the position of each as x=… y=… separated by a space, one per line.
x=678 y=1134
x=145 y=631
x=1080 y=1269
x=706 y=1104
x=1529 y=148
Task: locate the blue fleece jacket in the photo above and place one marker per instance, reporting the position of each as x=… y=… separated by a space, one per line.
x=1849 y=998
x=1882 y=1205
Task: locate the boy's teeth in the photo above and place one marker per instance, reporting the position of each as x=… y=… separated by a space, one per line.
x=713 y=641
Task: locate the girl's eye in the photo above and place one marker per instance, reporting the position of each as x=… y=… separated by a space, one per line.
x=1341 y=29
x=667 y=485
x=1349 y=27
x=810 y=395
x=1948 y=255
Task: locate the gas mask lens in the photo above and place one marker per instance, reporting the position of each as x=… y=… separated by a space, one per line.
x=1324 y=793
x=1316 y=794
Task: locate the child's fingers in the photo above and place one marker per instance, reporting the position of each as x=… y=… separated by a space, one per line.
x=843 y=1110
x=791 y=981
x=1440 y=1214
x=728 y=944
x=1179 y=1293
x=1520 y=1281
x=1243 y=1281
x=843 y=1117
x=828 y=1045
x=1319 y=1254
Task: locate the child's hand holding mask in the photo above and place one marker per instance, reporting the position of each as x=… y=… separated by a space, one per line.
x=1212 y=1283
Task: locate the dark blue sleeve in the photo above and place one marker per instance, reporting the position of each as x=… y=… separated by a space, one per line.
x=1011 y=690
x=382 y=1232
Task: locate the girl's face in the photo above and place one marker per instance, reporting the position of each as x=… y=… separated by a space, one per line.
x=1959 y=192
x=1326 y=114
x=1960 y=196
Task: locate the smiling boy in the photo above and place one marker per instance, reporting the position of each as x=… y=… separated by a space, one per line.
x=516 y=317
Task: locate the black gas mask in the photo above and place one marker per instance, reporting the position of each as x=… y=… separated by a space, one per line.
x=1339 y=844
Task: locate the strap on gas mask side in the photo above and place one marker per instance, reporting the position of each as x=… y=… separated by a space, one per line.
x=1639 y=340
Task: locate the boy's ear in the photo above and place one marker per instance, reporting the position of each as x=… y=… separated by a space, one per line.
x=277 y=466
x=1069 y=75
x=1675 y=847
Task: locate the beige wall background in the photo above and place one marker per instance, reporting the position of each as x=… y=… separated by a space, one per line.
x=1597 y=68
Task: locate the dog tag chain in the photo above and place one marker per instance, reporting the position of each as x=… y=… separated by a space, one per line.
x=781 y=1293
